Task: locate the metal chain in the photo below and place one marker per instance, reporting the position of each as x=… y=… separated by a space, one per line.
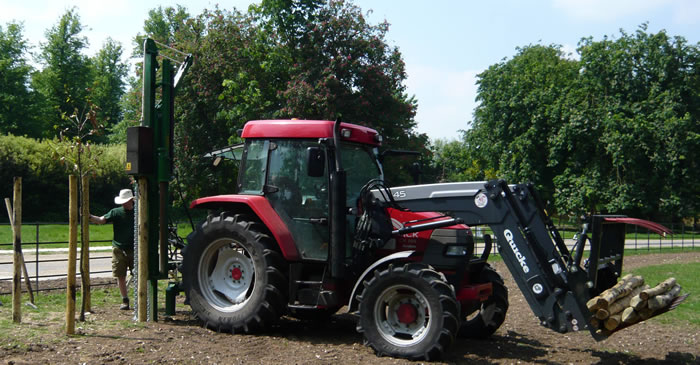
x=135 y=271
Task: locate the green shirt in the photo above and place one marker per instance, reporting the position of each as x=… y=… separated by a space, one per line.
x=123 y=227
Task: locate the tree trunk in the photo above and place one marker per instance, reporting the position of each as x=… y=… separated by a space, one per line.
x=619 y=290
x=620 y=304
x=72 y=253
x=86 y=304
x=629 y=316
x=594 y=304
x=665 y=286
x=613 y=321
x=664 y=300
x=638 y=303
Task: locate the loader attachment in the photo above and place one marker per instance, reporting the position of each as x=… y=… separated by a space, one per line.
x=556 y=283
x=606 y=244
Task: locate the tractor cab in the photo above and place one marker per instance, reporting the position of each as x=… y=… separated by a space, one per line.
x=285 y=162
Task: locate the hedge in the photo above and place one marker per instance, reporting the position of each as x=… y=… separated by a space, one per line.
x=45 y=180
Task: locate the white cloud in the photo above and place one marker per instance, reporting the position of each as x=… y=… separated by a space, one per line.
x=607 y=10
x=445 y=99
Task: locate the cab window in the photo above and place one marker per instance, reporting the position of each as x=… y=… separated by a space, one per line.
x=361 y=166
x=254 y=167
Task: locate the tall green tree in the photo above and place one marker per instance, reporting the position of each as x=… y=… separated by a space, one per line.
x=454 y=161
x=638 y=105
x=300 y=59
x=341 y=66
x=108 y=74
x=64 y=80
x=16 y=98
x=519 y=109
x=163 y=25
x=616 y=132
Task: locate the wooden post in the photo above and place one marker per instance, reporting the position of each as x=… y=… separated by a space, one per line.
x=72 y=253
x=27 y=281
x=143 y=250
x=85 y=249
x=17 y=245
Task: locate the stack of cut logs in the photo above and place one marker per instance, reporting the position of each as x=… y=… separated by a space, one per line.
x=630 y=301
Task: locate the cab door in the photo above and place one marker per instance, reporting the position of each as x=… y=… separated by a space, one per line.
x=299 y=199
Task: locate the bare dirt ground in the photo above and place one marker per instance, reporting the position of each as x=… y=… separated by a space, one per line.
x=110 y=337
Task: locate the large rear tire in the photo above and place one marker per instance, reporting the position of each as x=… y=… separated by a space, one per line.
x=483 y=319
x=408 y=311
x=233 y=275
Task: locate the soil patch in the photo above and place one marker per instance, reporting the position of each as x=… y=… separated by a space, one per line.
x=109 y=336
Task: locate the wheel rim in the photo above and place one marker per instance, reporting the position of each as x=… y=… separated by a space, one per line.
x=226 y=275
x=402 y=315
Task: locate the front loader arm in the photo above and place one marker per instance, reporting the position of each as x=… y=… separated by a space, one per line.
x=531 y=247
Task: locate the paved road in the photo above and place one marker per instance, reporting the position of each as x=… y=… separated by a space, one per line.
x=100 y=257
x=53 y=262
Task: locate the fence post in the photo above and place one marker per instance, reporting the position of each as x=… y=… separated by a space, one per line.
x=671 y=236
x=17 y=246
x=85 y=248
x=72 y=248
x=27 y=280
x=682 y=235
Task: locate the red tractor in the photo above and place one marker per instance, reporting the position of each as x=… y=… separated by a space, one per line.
x=312 y=228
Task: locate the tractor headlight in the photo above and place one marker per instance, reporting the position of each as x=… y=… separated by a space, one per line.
x=453 y=250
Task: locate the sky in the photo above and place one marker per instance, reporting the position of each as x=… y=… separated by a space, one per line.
x=444 y=43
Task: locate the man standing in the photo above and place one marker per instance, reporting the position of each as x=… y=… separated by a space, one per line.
x=122 y=219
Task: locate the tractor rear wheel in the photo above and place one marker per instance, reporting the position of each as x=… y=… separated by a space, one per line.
x=233 y=275
x=483 y=319
x=408 y=311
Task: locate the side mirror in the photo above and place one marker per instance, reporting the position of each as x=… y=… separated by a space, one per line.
x=316 y=161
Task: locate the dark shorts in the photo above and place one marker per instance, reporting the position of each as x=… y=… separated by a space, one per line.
x=121 y=260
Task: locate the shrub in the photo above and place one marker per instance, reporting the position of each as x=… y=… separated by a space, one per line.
x=45 y=181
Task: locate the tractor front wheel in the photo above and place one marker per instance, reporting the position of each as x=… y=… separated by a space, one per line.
x=233 y=275
x=408 y=312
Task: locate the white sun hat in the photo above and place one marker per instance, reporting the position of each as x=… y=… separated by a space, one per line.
x=124 y=196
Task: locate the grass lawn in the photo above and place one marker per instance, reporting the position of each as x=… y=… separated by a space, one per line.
x=49 y=233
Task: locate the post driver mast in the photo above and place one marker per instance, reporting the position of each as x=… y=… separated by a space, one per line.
x=149 y=158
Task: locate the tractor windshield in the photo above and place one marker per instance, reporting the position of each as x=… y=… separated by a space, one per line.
x=360 y=164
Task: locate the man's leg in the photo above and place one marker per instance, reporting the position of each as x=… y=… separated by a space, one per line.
x=119 y=265
x=121 y=281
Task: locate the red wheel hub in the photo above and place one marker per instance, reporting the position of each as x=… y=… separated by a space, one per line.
x=236 y=274
x=407 y=313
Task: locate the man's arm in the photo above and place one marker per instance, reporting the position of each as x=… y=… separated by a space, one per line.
x=97 y=220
